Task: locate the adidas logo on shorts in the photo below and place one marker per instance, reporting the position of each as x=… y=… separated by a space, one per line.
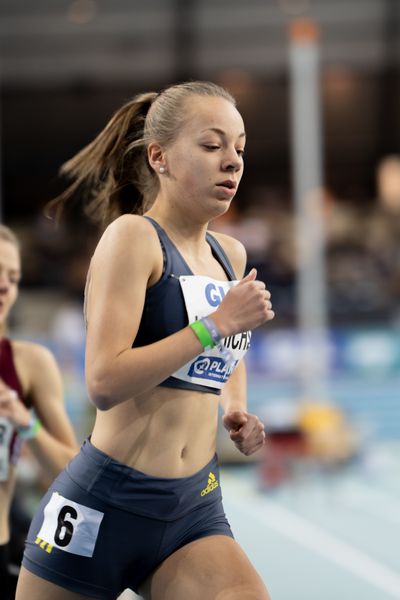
x=212 y=484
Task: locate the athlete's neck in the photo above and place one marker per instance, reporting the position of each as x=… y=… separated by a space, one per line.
x=182 y=231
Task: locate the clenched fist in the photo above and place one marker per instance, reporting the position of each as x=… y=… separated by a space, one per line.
x=245 y=430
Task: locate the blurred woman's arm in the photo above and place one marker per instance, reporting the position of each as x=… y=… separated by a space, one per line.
x=54 y=443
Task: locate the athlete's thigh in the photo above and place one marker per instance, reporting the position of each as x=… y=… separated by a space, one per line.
x=213 y=567
x=32 y=587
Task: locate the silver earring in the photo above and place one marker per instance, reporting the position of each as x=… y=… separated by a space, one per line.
x=162 y=169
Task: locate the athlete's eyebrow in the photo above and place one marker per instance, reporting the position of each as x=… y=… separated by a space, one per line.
x=222 y=132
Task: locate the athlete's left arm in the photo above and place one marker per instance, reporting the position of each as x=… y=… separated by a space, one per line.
x=55 y=443
x=245 y=429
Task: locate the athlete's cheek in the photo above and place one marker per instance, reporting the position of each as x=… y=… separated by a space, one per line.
x=193 y=178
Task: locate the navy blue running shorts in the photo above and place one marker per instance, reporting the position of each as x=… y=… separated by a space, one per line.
x=103 y=527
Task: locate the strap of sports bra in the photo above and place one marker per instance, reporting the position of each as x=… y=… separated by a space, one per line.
x=222 y=257
x=161 y=233
x=162 y=236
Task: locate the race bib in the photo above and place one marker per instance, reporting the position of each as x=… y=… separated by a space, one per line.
x=6 y=432
x=211 y=368
x=69 y=526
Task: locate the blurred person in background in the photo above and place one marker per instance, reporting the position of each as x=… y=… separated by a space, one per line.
x=140 y=507
x=382 y=233
x=31 y=402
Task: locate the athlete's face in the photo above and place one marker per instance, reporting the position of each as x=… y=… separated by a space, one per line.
x=10 y=273
x=205 y=163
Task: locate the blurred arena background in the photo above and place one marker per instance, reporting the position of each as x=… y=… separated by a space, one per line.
x=319 y=511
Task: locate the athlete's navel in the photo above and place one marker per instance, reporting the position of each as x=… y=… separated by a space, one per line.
x=183 y=451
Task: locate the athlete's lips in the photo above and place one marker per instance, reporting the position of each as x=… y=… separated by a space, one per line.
x=228 y=183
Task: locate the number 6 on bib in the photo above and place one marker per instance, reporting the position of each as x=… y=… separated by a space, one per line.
x=70 y=526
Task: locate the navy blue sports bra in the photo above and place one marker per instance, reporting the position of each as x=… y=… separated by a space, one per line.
x=166 y=311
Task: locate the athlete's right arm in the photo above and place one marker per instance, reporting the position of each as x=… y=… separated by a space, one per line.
x=127 y=257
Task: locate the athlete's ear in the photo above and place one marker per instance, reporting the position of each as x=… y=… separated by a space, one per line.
x=156 y=157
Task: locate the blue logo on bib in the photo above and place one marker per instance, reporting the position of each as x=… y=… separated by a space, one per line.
x=214 y=294
x=212 y=368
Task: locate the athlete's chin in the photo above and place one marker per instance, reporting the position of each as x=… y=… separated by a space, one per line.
x=224 y=194
x=222 y=199
x=220 y=208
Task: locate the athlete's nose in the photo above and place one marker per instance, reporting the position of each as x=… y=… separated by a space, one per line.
x=232 y=162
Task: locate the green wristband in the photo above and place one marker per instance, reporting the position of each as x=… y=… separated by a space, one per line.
x=30 y=431
x=203 y=334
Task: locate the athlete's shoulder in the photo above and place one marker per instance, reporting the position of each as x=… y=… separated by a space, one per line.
x=31 y=353
x=128 y=225
x=34 y=362
x=127 y=235
x=235 y=251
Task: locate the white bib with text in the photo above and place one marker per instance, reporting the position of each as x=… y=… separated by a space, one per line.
x=211 y=368
x=6 y=432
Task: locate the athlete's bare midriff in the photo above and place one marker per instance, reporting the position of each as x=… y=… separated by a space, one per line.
x=166 y=432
